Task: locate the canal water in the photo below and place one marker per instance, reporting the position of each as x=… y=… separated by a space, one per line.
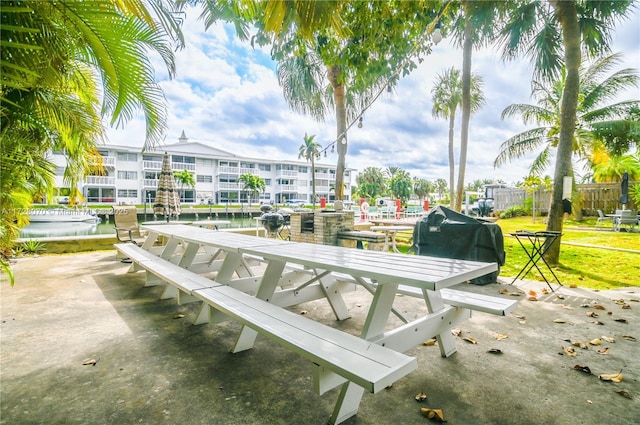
x=43 y=230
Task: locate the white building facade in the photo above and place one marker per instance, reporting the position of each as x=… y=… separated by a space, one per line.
x=131 y=176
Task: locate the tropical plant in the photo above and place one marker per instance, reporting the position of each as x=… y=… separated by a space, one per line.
x=422 y=188
x=371 y=183
x=252 y=184
x=65 y=65
x=33 y=246
x=310 y=150
x=593 y=110
x=447 y=98
x=613 y=169
x=401 y=185
x=335 y=57
x=184 y=178
x=554 y=34
x=441 y=187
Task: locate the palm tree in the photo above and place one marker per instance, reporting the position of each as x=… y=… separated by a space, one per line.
x=310 y=150
x=401 y=185
x=447 y=98
x=422 y=188
x=554 y=34
x=614 y=167
x=184 y=178
x=594 y=111
x=371 y=183
x=252 y=184
x=56 y=60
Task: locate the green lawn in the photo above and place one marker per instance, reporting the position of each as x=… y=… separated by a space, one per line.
x=595 y=266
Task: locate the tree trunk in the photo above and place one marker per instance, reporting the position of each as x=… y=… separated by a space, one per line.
x=452 y=163
x=568 y=19
x=313 y=181
x=335 y=75
x=466 y=104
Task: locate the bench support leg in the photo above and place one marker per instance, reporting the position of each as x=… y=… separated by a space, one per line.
x=445 y=339
x=347 y=404
x=331 y=290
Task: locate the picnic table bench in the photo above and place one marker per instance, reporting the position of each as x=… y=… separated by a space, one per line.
x=336 y=355
x=341 y=359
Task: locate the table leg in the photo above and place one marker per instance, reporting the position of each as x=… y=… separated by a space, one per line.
x=393 y=242
x=385 y=248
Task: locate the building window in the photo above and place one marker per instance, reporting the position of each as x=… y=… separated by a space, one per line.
x=204 y=162
x=128 y=175
x=127 y=156
x=264 y=167
x=302 y=169
x=152 y=158
x=204 y=179
x=183 y=159
x=267 y=182
x=127 y=193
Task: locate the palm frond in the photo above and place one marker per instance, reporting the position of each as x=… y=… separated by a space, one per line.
x=520 y=144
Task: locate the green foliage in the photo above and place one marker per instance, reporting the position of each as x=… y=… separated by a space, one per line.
x=515 y=211
x=6 y=269
x=33 y=246
x=252 y=184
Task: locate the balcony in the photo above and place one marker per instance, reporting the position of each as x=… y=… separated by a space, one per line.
x=150 y=183
x=100 y=181
x=179 y=166
x=229 y=170
x=228 y=186
x=107 y=161
x=152 y=165
x=287 y=173
x=287 y=187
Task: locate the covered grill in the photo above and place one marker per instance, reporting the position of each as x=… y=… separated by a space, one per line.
x=449 y=234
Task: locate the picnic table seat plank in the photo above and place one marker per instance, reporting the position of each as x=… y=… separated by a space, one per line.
x=369 y=365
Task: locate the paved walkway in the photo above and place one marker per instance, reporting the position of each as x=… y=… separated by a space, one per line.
x=153 y=367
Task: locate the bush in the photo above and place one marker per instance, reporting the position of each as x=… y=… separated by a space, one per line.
x=32 y=246
x=515 y=211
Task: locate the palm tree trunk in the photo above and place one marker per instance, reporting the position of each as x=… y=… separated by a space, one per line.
x=334 y=74
x=568 y=18
x=466 y=104
x=452 y=164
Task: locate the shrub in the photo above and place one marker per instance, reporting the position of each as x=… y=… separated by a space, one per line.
x=33 y=246
x=515 y=211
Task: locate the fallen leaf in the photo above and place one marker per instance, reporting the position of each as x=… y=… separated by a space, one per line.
x=624 y=393
x=634 y=300
x=303 y=312
x=560 y=297
x=456 y=331
x=519 y=316
x=500 y=337
x=589 y=401
x=608 y=338
x=596 y=341
x=584 y=369
x=604 y=350
x=580 y=345
x=559 y=321
x=596 y=322
x=544 y=291
x=514 y=294
x=609 y=313
x=569 y=351
x=533 y=293
x=613 y=377
x=626 y=306
x=574 y=285
x=522 y=322
x=503 y=291
x=421 y=396
x=592 y=314
x=90 y=362
x=532 y=299
x=585 y=305
x=598 y=307
x=619 y=301
x=494 y=351
x=430 y=342
x=435 y=414
x=178 y=316
x=470 y=340
x=629 y=337
x=568 y=307
x=621 y=320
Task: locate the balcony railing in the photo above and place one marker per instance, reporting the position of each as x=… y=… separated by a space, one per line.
x=107 y=161
x=229 y=170
x=152 y=165
x=101 y=181
x=183 y=166
x=150 y=183
x=228 y=186
x=287 y=173
x=287 y=187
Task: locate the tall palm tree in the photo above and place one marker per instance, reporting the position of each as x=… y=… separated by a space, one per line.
x=554 y=34
x=422 y=187
x=594 y=111
x=252 y=184
x=371 y=183
x=184 y=178
x=310 y=150
x=447 y=98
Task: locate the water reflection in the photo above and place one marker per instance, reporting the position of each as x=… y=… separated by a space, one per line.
x=44 y=230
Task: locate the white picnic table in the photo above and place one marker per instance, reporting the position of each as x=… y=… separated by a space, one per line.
x=211 y=224
x=390 y=233
x=324 y=269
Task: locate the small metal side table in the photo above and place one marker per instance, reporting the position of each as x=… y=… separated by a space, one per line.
x=539 y=242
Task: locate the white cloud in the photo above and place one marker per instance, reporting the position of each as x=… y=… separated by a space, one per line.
x=227 y=94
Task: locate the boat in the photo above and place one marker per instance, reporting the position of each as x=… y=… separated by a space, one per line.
x=53 y=229
x=63 y=215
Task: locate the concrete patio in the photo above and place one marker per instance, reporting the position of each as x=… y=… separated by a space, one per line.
x=152 y=366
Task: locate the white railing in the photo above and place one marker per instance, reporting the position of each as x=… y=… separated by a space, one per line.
x=107 y=161
x=152 y=165
x=286 y=173
x=287 y=187
x=253 y=171
x=183 y=166
x=150 y=183
x=325 y=176
x=228 y=186
x=229 y=170
x=101 y=181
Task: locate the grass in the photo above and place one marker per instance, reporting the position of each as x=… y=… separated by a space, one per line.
x=594 y=266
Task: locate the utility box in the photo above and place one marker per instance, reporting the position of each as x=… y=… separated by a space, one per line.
x=448 y=234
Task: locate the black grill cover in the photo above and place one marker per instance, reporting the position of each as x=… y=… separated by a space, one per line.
x=449 y=234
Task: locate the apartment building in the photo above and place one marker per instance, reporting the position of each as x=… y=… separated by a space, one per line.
x=131 y=176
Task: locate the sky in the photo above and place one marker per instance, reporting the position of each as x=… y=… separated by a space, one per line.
x=226 y=95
